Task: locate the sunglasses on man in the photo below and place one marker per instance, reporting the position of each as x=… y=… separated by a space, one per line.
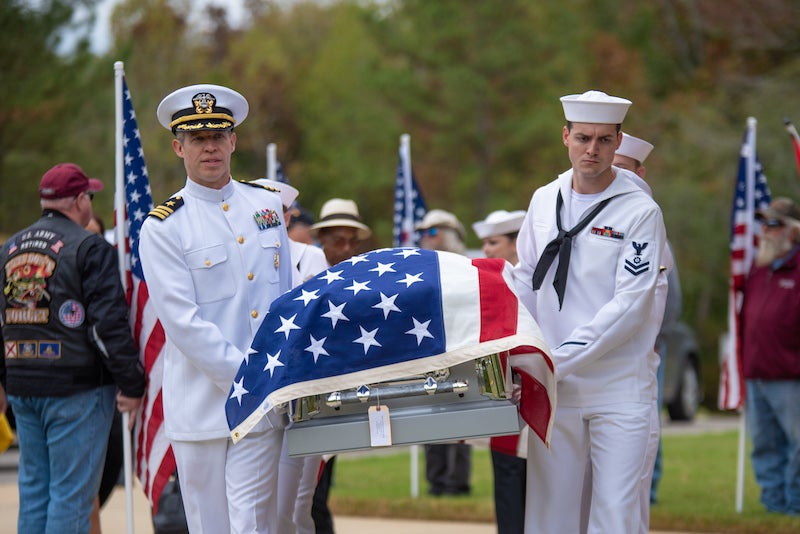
x=773 y=223
x=429 y=232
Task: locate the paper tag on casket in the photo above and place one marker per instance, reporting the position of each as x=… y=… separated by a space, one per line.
x=380 y=429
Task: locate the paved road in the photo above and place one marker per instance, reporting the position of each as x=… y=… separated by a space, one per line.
x=113 y=516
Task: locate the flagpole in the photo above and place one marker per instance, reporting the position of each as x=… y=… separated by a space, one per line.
x=119 y=237
x=408 y=230
x=795 y=141
x=271 y=160
x=408 y=220
x=750 y=165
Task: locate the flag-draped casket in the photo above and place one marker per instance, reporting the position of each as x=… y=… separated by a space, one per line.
x=388 y=315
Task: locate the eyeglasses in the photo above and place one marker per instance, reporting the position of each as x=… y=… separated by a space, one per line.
x=429 y=232
x=90 y=194
x=773 y=223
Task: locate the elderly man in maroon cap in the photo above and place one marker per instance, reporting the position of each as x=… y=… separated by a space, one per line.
x=67 y=348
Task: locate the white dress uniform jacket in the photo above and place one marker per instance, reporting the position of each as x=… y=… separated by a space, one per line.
x=213 y=267
x=307 y=261
x=609 y=319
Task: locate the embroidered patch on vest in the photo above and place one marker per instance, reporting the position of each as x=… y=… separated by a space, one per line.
x=50 y=350
x=162 y=211
x=637 y=265
x=267 y=218
x=71 y=313
x=607 y=231
x=10 y=349
x=26 y=349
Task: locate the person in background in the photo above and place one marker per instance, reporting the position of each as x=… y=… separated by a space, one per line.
x=447 y=465
x=441 y=230
x=215 y=256
x=771 y=357
x=498 y=234
x=630 y=155
x=340 y=233
x=297 y=477
x=590 y=252
x=299 y=226
x=67 y=348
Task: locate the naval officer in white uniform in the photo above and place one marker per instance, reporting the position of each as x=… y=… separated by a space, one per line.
x=590 y=251
x=215 y=255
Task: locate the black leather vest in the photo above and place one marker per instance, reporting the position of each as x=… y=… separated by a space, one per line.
x=44 y=318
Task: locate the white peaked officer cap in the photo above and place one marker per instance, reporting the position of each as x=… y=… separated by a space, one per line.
x=499 y=222
x=595 y=107
x=287 y=192
x=635 y=148
x=202 y=107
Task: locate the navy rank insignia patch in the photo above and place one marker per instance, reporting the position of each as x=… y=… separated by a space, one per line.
x=637 y=265
x=267 y=218
x=607 y=231
x=167 y=208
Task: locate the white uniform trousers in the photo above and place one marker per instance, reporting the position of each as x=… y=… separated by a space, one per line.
x=297 y=480
x=609 y=445
x=230 y=488
x=649 y=464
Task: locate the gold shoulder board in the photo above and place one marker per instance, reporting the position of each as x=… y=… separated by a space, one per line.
x=164 y=210
x=260 y=186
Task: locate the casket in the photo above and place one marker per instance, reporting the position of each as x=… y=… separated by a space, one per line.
x=433 y=337
x=465 y=401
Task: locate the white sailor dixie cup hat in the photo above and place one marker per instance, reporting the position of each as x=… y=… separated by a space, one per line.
x=595 y=107
x=635 y=148
x=202 y=107
x=499 y=222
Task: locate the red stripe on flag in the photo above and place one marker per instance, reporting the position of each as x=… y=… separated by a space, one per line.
x=498 y=302
x=534 y=404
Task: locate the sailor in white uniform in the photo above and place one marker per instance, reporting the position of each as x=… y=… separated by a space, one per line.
x=590 y=251
x=215 y=255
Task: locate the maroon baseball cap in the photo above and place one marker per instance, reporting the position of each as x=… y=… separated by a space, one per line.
x=67 y=180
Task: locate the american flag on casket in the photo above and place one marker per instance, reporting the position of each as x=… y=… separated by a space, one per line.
x=386 y=315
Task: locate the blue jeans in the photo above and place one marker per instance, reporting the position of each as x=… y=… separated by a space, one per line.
x=773 y=421
x=62 y=444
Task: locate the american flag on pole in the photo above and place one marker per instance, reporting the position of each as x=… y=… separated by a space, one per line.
x=795 y=141
x=154 y=460
x=387 y=315
x=752 y=193
x=409 y=206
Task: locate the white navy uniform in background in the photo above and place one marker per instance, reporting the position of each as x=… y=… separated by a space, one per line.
x=602 y=338
x=213 y=267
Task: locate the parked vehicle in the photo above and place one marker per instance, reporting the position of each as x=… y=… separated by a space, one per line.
x=683 y=386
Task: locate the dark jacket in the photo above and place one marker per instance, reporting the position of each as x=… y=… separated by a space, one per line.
x=65 y=319
x=771 y=321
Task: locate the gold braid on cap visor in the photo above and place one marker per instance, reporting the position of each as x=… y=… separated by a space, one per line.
x=203 y=116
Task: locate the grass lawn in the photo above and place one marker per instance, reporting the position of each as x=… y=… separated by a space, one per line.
x=697 y=492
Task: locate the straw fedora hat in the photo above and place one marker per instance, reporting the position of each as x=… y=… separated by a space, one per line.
x=341 y=212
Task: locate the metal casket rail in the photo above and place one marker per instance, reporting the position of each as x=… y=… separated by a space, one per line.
x=462 y=402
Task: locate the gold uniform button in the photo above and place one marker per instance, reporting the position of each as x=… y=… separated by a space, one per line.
x=250 y=276
x=240 y=239
x=225 y=206
x=254 y=314
x=208 y=263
